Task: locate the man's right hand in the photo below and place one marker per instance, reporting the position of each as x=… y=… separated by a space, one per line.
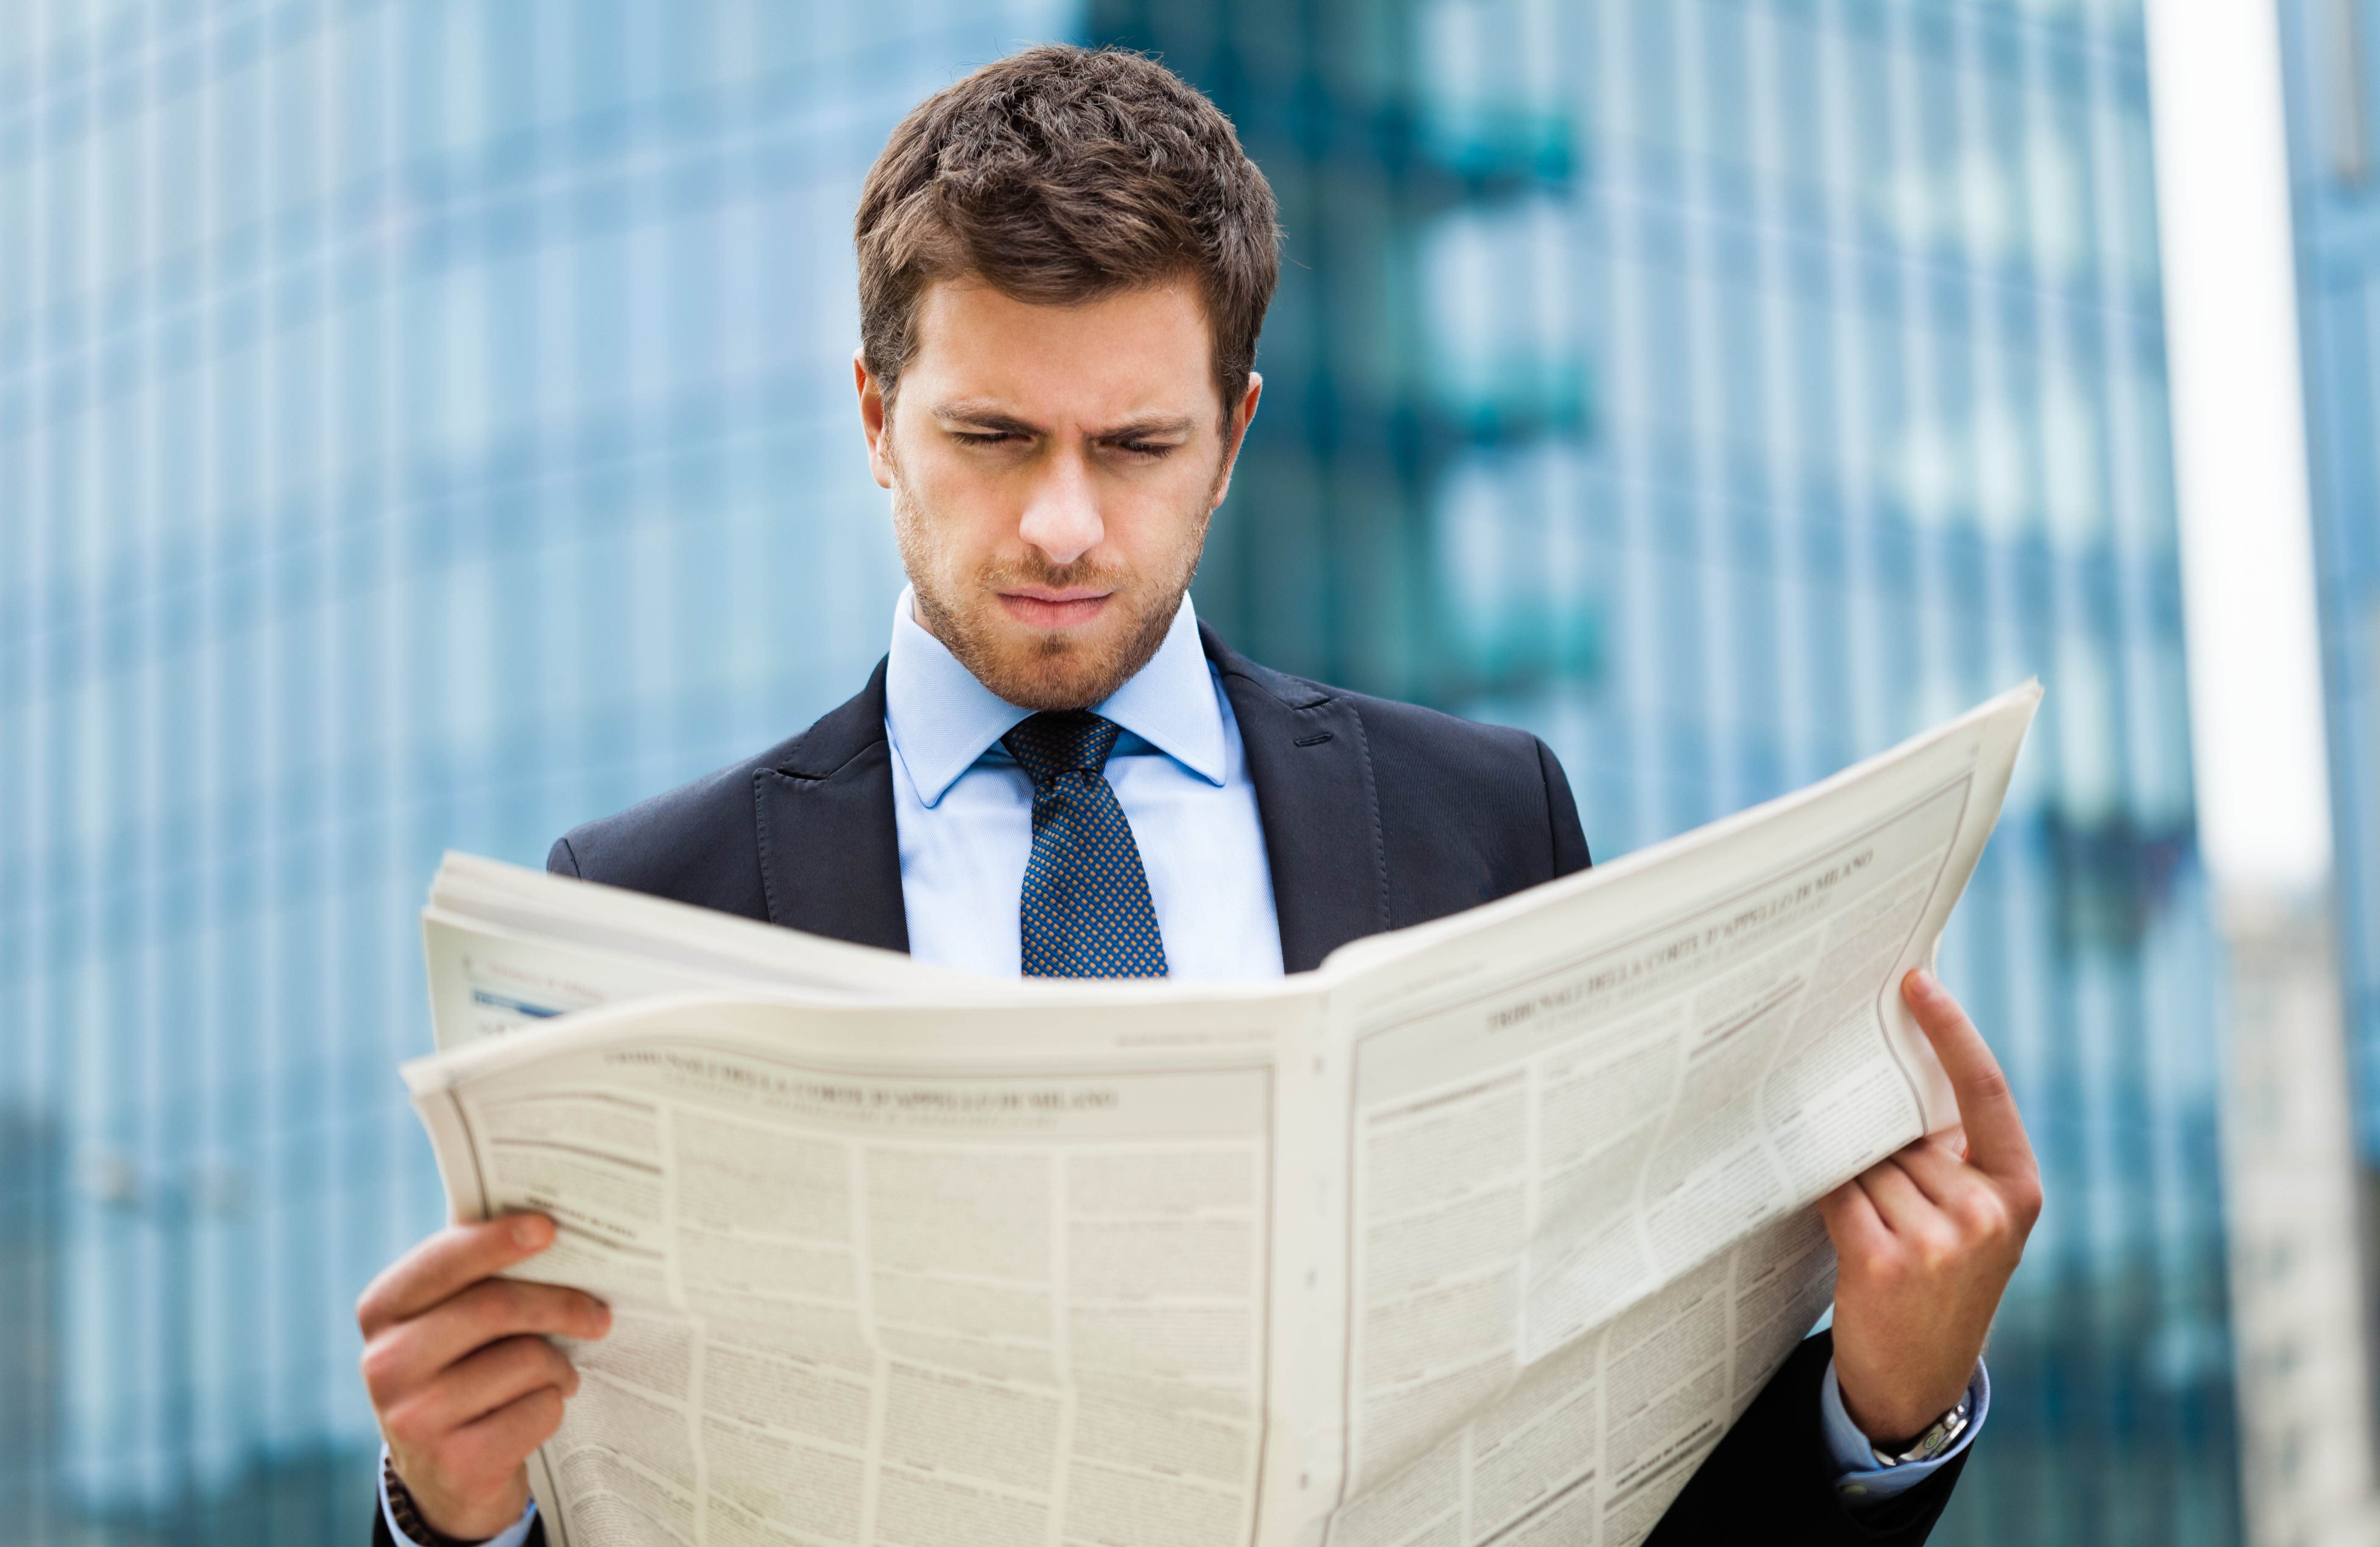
x=460 y=1372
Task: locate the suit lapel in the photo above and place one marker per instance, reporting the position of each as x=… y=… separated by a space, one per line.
x=830 y=849
x=1312 y=769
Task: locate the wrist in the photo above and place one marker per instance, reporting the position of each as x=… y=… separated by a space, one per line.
x=1893 y=1421
x=1931 y=1441
x=411 y=1525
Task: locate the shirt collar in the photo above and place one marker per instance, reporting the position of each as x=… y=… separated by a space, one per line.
x=941 y=719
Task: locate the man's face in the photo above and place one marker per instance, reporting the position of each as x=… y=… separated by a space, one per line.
x=1053 y=470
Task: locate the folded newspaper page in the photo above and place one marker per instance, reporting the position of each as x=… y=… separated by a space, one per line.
x=1486 y=1231
x=506 y=947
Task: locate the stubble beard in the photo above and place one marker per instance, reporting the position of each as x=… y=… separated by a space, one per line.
x=1042 y=669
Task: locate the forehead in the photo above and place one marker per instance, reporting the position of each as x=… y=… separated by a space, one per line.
x=1142 y=348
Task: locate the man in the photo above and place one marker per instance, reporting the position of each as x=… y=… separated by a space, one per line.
x=1064 y=262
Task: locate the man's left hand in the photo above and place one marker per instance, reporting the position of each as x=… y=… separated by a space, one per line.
x=1927 y=1239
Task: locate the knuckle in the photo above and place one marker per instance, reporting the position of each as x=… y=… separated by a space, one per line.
x=1982 y=1215
x=380 y=1365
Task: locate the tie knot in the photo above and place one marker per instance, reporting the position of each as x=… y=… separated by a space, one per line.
x=1061 y=742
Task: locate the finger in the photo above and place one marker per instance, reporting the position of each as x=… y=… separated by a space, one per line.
x=446 y=1262
x=1905 y=1209
x=1994 y=1130
x=504 y=1438
x=491 y=1379
x=406 y=1357
x=1981 y=1207
x=1852 y=1222
x=1941 y=1175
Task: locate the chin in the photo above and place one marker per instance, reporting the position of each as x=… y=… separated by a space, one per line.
x=1043 y=669
x=1054 y=673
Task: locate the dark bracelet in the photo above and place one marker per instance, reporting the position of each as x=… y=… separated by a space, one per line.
x=408 y=1515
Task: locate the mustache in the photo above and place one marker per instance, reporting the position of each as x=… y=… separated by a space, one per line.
x=1002 y=575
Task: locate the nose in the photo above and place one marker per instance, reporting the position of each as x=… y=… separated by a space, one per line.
x=1061 y=516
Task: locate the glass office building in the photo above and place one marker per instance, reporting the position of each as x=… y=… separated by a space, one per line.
x=2331 y=69
x=426 y=426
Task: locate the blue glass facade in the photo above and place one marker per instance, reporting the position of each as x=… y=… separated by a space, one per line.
x=426 y=426
x=2331 y=69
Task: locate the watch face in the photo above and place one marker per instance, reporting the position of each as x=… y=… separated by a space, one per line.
x=1937 y=1439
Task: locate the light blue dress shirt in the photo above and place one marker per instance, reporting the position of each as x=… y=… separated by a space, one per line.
x=963 y=810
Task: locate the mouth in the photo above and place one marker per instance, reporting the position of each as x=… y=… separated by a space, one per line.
x=1048 y=607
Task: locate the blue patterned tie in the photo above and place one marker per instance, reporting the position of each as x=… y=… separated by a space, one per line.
x=1086 y=909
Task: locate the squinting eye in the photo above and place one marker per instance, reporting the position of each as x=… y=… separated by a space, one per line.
x=992 y=438
x=1145 y=448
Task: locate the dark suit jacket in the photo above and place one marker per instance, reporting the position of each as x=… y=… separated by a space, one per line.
x=1375 y=815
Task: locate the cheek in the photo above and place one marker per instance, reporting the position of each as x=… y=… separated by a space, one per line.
x=1165 y=525
x=956 y=505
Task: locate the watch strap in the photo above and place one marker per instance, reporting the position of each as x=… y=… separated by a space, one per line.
x=1937 y=1437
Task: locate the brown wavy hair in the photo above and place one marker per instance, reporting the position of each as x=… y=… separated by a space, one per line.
x=1059 y=175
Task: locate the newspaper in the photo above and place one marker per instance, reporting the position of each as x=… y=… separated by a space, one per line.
x=1486 y=1231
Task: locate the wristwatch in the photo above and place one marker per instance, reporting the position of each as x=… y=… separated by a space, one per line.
x=1940 y=1437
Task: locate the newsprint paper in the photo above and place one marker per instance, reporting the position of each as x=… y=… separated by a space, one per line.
x=1484 y=1231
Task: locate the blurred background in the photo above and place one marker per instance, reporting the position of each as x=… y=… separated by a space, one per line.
x=428 y=425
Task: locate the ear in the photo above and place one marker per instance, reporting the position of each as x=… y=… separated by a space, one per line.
x=875 y=419
x=1236 y=437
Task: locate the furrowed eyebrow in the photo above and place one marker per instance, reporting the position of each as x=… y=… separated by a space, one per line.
x=980 y=418
x=985 y=418
x=1175 y=424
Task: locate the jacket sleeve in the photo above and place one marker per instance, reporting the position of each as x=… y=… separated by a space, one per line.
x=1568 y=836
x=1770 y=1480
